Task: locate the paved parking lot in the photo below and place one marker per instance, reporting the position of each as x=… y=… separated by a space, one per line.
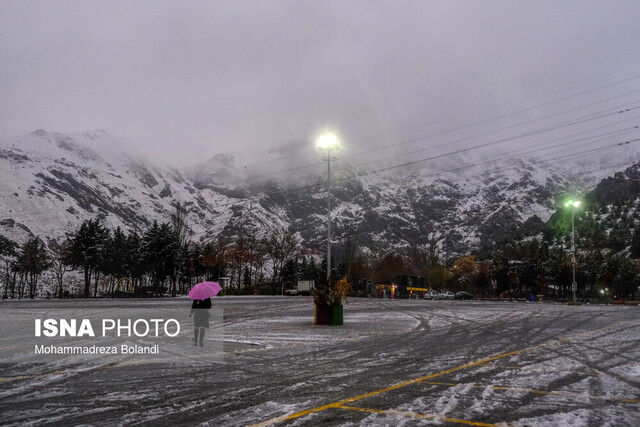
x=394 y=361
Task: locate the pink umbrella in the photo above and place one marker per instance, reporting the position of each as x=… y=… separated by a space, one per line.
x=205 y=290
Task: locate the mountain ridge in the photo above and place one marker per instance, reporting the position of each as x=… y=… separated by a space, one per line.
x=51 y=182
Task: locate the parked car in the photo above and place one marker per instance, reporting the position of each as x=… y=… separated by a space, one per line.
x=431 y=295
x=447 y=295
x=463 y=295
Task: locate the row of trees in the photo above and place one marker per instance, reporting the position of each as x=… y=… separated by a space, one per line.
x=163 y=259
x=516 y=267
x=160 y=260
x=23 y=266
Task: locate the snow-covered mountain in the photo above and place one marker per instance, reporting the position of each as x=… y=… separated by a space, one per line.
x=51 y=182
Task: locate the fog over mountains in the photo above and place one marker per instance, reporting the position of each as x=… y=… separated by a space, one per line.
x=51 y=182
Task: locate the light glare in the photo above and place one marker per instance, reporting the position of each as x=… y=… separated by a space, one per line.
x=327 y=141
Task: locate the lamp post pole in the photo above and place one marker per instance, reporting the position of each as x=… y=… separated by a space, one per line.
x=574 y=285
x=328 y=215
x=573 y=204
x=328 y=142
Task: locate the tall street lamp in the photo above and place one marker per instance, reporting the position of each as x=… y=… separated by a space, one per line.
x=328 y=142
x=573 y=204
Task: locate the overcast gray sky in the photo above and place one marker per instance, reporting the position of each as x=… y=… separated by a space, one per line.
x=185 y=80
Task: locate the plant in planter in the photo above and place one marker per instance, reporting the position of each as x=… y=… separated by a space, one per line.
x=328 y=299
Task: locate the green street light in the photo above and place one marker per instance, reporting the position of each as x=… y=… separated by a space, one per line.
x=573 y=204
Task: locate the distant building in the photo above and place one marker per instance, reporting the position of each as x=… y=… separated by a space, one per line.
x=364 y=288
x=408 y=286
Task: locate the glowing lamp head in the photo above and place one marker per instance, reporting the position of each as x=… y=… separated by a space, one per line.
x=327 y=141
x=574 y=203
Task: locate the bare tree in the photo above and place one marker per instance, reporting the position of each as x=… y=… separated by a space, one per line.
x=182 y=232
x=239 y=256
x=214 y=259
x=281 y=245
x=59 y=265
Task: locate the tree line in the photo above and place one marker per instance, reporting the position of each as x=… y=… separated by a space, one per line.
x=163 y=260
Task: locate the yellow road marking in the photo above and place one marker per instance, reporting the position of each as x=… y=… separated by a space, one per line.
x=306 y=412
x=415 y=415
x=538 y=391
x=384 y=390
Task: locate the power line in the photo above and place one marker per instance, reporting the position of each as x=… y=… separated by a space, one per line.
x=458 y=168
x=583 y=119
x=632 y=77
x=499 y=141
x=595 y=116
x=358 y=233
x=552 y=159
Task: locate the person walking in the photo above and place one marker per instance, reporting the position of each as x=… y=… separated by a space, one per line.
x=200 y=312
x=201 y=295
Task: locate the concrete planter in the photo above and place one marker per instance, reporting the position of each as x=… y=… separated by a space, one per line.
x=329 y=314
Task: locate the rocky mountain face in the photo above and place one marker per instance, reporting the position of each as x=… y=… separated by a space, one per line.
x=51 y=182
x=608 y=216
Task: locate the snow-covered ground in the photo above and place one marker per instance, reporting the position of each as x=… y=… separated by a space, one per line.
x=393 y=362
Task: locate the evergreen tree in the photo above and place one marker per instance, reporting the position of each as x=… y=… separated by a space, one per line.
x=246 y=277
x=635 y=242
x=7 y=254
x=32 y=261
x=625 y=282
x=160 y=249
x=290 y=271
x=85 y=248
x=134 y=261
x=619 y=237
x=114 y=256
x=592 y=264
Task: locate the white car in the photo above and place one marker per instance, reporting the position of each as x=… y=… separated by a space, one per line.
x=431 y=295
x=447 y=295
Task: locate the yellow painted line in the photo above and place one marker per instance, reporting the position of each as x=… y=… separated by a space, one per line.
x=538 y=391
x=306 y=412
x=415 y=415
x=384 y=390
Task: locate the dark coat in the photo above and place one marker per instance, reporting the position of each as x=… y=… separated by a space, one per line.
x=200 y=310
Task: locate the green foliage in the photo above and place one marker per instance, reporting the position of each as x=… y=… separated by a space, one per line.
x=389 y=267
x=438 y=277
x=7 y=247
x=635 y=242
x=32 y=261
x=160 y=250
x=619 y=237
x=85 y=250
x=290 y=271
x=332 y=293
x=625 y=282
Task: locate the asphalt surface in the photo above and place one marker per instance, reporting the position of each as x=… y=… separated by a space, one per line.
x=393 y=362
